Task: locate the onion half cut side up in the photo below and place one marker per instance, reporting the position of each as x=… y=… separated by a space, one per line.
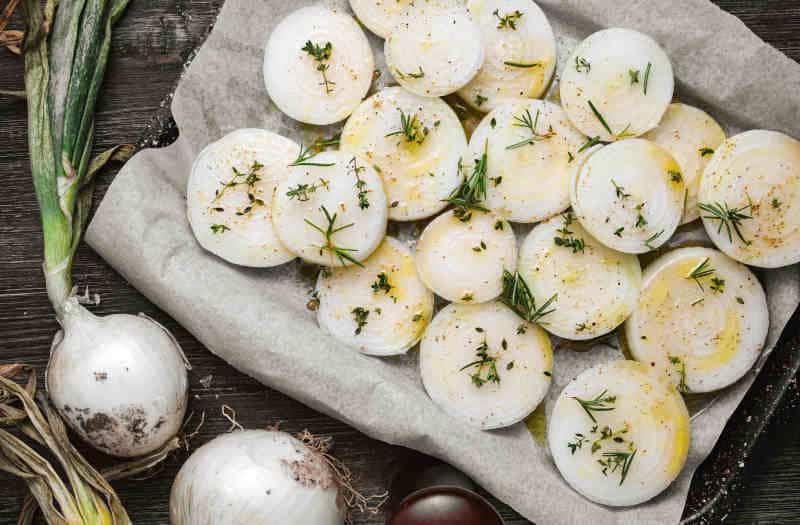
x=628 y=195
x=381 y=308
x=463 y=260
x=597 y=287
x=255 y=476
x=484 y=365
x=519 y=49
x=331 y=210
x=532 y=149
x=701 y=320
x=318 y=65
x=750 y=199
x=229 y=196
x=415 y=143
x=119 y=381
x=617 y=84
x=619 y=434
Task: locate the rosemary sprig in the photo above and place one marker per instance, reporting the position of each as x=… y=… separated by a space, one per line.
x=617 y=461
x=343 y=254
x=517 y=296
x=472 y=191
x=361 y=184
x=316 y=147
x=616 y=136
x=321 y=54
x=701 y=270
x=647 y=71
x=729 y=218
x=600 y=403
x=484 y=363
x=592 y=142
x=523 y=65
x=649 y=240
x=360 y=315
x=411 y=128
x=509 y=20
x=525 y=120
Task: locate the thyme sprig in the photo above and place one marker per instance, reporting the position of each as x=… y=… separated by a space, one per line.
x=517 y=296
x=566 y=239
x=619 y=191
x=681 y=369
x=302 y=192
x=525 y=120
x=321 y=54
x=382 y=284
x=250 y=178
x=485 y=367
x=582 y=65
x=471 y=193
x=729 y=218
x=411 y=128
x=343 y=254
x=360 y=315
x=614 y=461
x=508 y=20
x=600 y=403
x=361 y=184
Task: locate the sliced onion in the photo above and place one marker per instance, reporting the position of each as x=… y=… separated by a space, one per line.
x=380 y=16
x=420 y=170
x=691 y=136
x=755 y=174
x=628 y=195
x=293 y=78
x=223 y=218
x=519 y=352
x=647 y=416
x=253 y=476
x=463 y=261
x=343 y=192
x=527 y=182
x=435 y=50
x=597 y=287
x=519 y=60
x=610 y=70
x=394 y=303
x=700 y=333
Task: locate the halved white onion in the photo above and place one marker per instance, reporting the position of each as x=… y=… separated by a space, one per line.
x=527 y=181
x=420 y=168
x=754 y=174
x=342 y=193
x=705 y=333
x=691 y=136
x=435 y=50
x=610 y=70
x=517 y=353
x=628 y=195
x=463 y=261
x=382 y=308
x=645 y=413
x=597 y=287
x=311 y=89
x=222 y=215
x=520 y=53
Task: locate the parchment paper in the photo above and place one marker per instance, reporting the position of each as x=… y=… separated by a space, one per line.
x=257 y=319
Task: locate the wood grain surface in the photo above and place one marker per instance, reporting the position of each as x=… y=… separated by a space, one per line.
x=150 y=47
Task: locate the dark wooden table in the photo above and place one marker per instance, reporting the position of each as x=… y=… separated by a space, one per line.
x=150 y=47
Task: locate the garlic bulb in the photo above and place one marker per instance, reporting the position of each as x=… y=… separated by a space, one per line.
x=119 y=381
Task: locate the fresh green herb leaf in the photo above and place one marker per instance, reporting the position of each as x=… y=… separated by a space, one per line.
x=342 y=254
x=382 y=284
x=321 y=54
x=652 y=238
x=647 y=72
x=618 y=231
x=219 y=228
x=592 y=142
x=411 y=128
x=523 y=65
x=706 y=151
x=681 y=369
x=360 y=317
x=517 y=296
x=485 y=367
x=617 y=460
x=729 y=218
x=634 y=76
x=675 y=176
x=600 y=403
x=582 y=65
x=566 y=238
x=619 y=191
x=507 y=21
x=472 y=192
x=717 y=285
x=600 y=117
x=525 y=120
x=361 y=184
x=480 y=100
x=577 y=442
x=701 y=270
x=776 y=204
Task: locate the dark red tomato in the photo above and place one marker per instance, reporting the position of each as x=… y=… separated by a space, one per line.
x=444 y=505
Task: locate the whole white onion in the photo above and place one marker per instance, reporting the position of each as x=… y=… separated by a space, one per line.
x=119 y=381
x=255 y=477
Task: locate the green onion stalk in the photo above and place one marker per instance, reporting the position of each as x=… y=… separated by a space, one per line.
x=120 y=381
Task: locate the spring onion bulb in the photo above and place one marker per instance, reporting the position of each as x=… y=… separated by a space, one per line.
x=331 y=209
x=597 y=287
x=531 y=146
x=318 y=65
x=691 y=136
x=628 y=195
x=381 y=308
x=463 y=261
x=435 y=49
x=701 y=319
x=617 y=84
x=255 y=476
x=416 y=144
x=229 y=196
x=750 y=198
x=520 y=53
x=484 y=365
x=619 y=434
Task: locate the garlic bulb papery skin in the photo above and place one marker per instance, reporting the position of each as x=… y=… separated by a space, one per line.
x=255 y=477
x=119 y=381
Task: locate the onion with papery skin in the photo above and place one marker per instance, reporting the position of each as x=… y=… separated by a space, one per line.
x=119 y=381
x=253 y=477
